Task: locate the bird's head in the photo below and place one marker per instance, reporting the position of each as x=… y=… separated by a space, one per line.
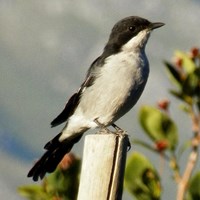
x=131 y=33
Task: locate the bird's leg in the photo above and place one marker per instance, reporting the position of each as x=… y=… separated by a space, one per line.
x=121 y=133
x=117 y=128
x=101 y=126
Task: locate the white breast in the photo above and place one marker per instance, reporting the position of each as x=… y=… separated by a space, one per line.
x=117 y=89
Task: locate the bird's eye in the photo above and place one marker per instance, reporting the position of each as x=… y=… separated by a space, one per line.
x=131 y=28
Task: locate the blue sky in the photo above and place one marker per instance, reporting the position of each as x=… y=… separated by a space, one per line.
x=45 y=49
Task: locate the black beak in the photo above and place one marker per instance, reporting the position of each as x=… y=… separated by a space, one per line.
x=156 y=25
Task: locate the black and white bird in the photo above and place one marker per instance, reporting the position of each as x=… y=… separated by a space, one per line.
x=113 y=85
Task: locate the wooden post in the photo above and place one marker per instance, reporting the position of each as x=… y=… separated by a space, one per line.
x=103 y=166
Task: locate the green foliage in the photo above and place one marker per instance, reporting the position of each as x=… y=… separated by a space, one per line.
x=141 y=178
x=194 y=187
x=174 y=74
x=60 y=185
x=162 y=130
x=159 y=126
x=188 y=64
x=185 y=75
x=34 y=192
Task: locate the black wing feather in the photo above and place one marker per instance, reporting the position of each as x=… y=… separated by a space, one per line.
x=71 y=105
x=68 y=110
x=75 y=98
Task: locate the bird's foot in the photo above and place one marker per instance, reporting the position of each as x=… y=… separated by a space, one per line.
x=129 y=144
x=121 y=133
x=118 y=129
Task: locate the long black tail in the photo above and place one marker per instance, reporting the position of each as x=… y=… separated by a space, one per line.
x=52 y=157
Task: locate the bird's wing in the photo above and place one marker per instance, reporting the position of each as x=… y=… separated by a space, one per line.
x=71 y=104
x=75 y=98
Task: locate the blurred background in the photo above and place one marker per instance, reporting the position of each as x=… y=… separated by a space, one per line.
x=46 y=47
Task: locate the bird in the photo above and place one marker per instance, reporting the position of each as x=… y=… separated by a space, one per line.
x=114 y=82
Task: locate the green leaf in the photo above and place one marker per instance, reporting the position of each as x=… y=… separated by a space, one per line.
x=64 y=182
x=173 y=73
x=188 y=63
x=158 y=126
x=194 y=187
x=177 y=94
x=191 y=85
x=182 y=96
x=141 y=178
x=33 y=192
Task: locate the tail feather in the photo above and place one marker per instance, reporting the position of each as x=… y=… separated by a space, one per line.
x=52 y=157
x=52 y=144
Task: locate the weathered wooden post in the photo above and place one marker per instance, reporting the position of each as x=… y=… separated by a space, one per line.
x=103 y=166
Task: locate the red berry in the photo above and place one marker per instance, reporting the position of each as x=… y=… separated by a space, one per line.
x=194 y=52
x=161 y=145
x=163 y=104
x=179 y=62
x=67 y=161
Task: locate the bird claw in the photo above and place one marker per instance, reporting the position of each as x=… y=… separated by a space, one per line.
x=117 y=128
x=128 y=145
x=119 y=132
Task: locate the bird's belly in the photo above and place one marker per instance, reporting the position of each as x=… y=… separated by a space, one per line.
x=114 y=93
x=121 y=100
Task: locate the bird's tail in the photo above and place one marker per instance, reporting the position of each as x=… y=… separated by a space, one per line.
x=52 y=157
